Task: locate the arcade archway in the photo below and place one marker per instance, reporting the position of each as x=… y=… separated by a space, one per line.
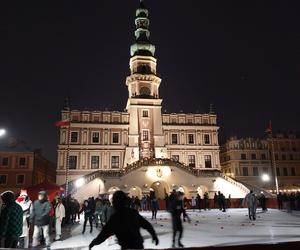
x=161 y=188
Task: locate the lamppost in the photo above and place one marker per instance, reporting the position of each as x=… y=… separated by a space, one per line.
x=2 y=132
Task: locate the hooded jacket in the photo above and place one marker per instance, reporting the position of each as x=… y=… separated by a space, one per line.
x=11 y=218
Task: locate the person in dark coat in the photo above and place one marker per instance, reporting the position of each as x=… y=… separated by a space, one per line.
x=198 y=202
x=262 y=200
x=279 y=200
x=222 y=201
x=11 y=220
x=40 y=218
x=88 y=215
x=176 y=211
x=125 y=223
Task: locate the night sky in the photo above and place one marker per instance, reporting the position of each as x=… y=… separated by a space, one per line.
x=243 y=56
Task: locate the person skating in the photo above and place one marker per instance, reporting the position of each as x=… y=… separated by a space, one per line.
x=251 y=202
x=125 y=223
x=24 y=201
x=40 y=218
x=176 y=211
x=88 y=215
x=262 y=200
x=222 y=201
x=11 y=220
x=60 y=214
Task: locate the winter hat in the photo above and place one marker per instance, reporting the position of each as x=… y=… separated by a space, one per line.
x=23 y=192
x=8 y=197
x=120 y=200
x=44 y=193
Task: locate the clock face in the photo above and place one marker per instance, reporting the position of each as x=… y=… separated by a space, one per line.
x=145 y=123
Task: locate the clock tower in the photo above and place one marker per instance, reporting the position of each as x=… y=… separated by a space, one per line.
x=144 y=104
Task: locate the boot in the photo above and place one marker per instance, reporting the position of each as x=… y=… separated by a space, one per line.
x=180 y=244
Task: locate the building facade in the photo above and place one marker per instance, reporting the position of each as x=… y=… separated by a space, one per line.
x=250 y=160
x=118 y=141
x=21 y=167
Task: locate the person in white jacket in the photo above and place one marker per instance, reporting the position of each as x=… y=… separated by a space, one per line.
x=251 y=202
x=59 y=215
x=24 y=201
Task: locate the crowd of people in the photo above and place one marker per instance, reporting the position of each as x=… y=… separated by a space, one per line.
x=114 y=215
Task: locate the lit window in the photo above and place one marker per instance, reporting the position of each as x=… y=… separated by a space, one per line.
x=95 y=162
x=72 y=162
x=174 y=139
x=191 y=138
x=191 y=159
x=145 y=113
x=74 y=137
x=95 y=137
x=115 y=162
x=145 y=135
x=115 y=138
x=207 y=161
x=206 y=139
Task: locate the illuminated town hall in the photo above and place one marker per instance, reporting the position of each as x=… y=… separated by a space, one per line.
x=141 y=148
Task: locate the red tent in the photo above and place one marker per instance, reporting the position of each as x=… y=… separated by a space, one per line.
x=51 y=188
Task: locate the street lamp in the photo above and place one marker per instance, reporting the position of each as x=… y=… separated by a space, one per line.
x=265 y=177
x=2 y=132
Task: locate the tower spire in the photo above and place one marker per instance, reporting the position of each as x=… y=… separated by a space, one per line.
x=142 y=45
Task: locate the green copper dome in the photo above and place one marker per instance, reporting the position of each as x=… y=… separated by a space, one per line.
x=142 y=45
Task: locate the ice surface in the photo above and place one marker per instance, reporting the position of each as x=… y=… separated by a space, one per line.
x=206 y=229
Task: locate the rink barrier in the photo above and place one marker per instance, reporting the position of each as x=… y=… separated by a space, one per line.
x=234 y=203
x=272 y=246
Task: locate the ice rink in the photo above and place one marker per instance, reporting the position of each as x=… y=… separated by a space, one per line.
x=207 y=228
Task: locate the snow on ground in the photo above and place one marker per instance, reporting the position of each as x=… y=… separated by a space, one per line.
x=206 y=229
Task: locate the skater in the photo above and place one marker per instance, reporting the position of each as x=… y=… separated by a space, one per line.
x=88 y=215
x=59 y=215
x=222 y=201
x=198 y=200
x=24 y=201
x=251 y=202
x=193 y=203
x=176 y=211
x=11 y=220
x=206 y=201
x=153 y=204
x=279 y=200
x=262 y=200
x=39 y=217
x=128 y=231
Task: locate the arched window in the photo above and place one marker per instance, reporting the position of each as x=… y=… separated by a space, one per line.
x=145 y=91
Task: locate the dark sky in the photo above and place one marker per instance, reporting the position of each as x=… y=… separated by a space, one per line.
x=243 y=56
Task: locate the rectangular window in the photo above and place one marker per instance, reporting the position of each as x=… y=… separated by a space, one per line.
x=22 y=161
x=243 y=157
x=291 y=157
x=207 y=161
x=245 y=171
x=145 y=135
x=95 y=137
x=265 y=170
x=74 y=137
x=115 y=162
x=283 y=157
x=175 y=158
x=145 y=113
x=3 y=179
x=191 y=138
x=206 y=139
x=174 y=139
x=237 y=171
x=95 y=161
x=253 y=156
x=285 y=172
x=115 y=138
x=293 y=172
x=255 y=171
x=20 y=179
x=278 y=171
x=276 y=157
x=263 y=156
x=72 y=162
x=191 y=159
x=4 y=161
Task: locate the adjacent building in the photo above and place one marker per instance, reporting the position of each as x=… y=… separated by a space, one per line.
x=21 y=167
x=250 y=160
